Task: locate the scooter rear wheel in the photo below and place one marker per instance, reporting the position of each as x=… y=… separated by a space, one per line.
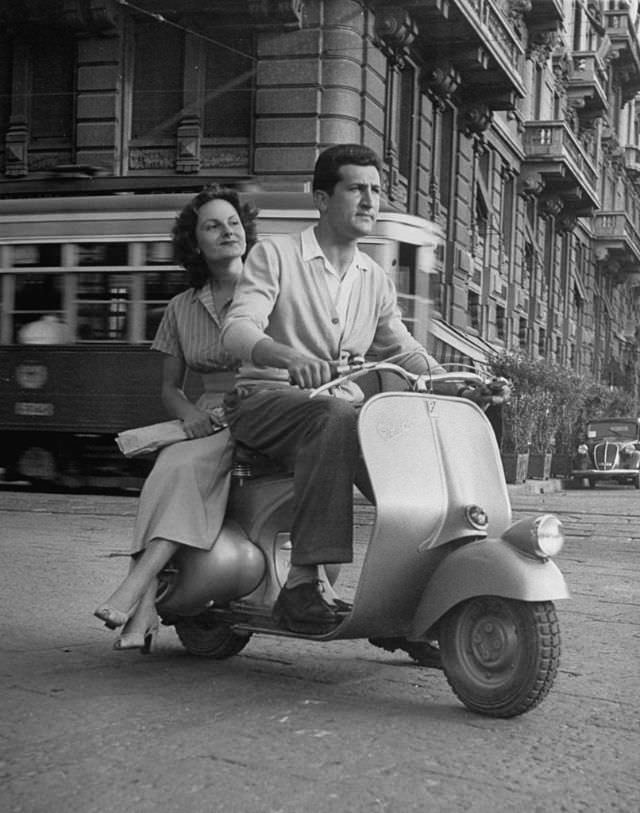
x=500 y=656
x=205 y=636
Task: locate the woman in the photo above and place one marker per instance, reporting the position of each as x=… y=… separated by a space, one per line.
x=184 y=498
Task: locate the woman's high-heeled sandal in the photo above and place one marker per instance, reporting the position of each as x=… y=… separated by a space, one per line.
x=144 y=641
x=112 y=618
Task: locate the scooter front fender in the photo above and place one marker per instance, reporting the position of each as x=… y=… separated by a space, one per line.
x=487 y=567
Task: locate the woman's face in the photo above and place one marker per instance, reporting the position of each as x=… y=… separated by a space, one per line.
x=219 y=233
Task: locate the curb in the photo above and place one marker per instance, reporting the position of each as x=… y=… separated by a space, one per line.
x=538 y=486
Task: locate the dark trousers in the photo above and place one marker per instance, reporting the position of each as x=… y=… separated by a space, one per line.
x=316 y=439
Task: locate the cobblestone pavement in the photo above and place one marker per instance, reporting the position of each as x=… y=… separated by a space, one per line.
x=293 y=725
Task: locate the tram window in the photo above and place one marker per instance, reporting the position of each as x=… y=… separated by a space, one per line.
x=102 y=306
x=36 y=295
x=160 y=287
x=31 y=254
x=102 y=254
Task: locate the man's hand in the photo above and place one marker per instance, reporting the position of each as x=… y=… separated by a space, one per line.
x=304 y=371
x=309 y=373
x=495 y=392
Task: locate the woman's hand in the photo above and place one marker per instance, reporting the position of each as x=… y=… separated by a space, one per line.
x=197 y=424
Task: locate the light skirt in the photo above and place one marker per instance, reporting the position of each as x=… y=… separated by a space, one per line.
x=185 y=496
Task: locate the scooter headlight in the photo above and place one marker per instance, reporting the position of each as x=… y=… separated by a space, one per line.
x=538 y=536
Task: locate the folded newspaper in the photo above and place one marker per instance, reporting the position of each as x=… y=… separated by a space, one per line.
x=147 y=439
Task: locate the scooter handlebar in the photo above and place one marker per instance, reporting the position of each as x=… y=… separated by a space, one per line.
x=422 y=382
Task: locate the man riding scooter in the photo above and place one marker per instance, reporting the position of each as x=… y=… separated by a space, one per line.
x=303 y=303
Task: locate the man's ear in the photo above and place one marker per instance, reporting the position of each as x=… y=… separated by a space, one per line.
x=320 y=199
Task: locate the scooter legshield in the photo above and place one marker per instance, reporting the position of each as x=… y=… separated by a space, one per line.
x=429 y=457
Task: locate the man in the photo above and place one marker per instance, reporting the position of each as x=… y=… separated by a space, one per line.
x=302 y=302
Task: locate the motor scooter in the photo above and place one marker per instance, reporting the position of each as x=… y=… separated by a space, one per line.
x=444 y=563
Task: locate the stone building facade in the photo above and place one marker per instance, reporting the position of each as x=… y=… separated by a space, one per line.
x=513 y=124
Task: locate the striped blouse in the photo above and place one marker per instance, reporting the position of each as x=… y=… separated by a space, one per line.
x=190 y=331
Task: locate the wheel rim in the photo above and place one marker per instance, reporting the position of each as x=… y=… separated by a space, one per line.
x=489 y=643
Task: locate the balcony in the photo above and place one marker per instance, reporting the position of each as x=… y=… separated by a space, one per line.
x=587 y=84
x=622 y=32
x=632 y=161
x=553 y=151
x=616 y=234
x=479 y=41
x=545 y=12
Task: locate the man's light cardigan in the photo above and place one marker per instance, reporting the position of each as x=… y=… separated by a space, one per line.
x=283 y=295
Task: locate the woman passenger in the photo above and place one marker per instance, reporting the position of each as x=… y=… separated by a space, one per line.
x=184 y=498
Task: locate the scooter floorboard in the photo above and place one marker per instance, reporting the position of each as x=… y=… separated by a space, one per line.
x=258 y=620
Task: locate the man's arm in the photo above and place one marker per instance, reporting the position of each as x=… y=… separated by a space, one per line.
x=254 y=298
x=243 y=334
x=303 y=370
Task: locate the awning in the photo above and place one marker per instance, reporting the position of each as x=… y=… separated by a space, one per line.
x=449 y=345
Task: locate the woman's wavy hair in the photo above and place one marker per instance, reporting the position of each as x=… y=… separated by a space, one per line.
x=185 y=244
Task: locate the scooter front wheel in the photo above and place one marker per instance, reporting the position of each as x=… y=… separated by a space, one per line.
x=207 y=637
x=500 y=656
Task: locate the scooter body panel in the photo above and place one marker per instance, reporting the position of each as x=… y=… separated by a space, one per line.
x=250 y=557
x=487 y=567
x=428 y=457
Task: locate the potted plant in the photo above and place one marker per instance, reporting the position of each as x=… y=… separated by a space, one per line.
x=520 y=414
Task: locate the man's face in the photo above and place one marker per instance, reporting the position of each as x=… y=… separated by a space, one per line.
x=352 y=209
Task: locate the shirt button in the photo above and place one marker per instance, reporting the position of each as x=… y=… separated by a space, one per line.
x=335 y=320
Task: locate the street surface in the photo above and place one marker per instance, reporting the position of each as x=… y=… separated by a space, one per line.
x=289 y=726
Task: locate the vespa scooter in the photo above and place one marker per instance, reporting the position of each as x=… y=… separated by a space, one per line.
x=444 y=563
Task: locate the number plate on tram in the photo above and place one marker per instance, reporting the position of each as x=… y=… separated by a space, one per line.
x=38 y=409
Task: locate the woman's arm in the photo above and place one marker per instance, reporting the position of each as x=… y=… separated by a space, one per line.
x=197 y=423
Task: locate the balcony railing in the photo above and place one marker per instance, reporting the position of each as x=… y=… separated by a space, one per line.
x=617 y=232
x=588 y=81
x=488 y=52
x=562 y=160
x=622 y=30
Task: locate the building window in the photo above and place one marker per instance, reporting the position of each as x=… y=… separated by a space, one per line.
x=507 y=213
x=542 y=341
x=473 y=310
x=53 y=60
x=500 y=323
x=180 y=76
x=228 y=88
x=522 y=332
x=5 y=83
x=444 y=146
x=157 y=80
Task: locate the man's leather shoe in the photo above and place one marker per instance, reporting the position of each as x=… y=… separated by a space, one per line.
x=302 y=609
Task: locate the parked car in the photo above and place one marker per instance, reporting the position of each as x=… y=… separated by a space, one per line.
x=611 y=452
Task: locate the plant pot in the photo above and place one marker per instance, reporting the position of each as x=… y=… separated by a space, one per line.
x=561 y=465
x=515 y=467
x=539 y=466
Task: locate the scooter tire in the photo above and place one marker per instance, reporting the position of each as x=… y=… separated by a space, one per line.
x=500 y=655
x=203 y=635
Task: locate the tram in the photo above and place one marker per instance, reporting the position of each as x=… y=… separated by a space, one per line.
x=83 y=284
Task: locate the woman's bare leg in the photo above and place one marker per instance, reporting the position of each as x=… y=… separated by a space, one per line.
x=119 y=607
x=141 y=629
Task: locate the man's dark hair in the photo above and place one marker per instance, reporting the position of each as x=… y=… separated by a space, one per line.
x=327 y=170
x=185 y=243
